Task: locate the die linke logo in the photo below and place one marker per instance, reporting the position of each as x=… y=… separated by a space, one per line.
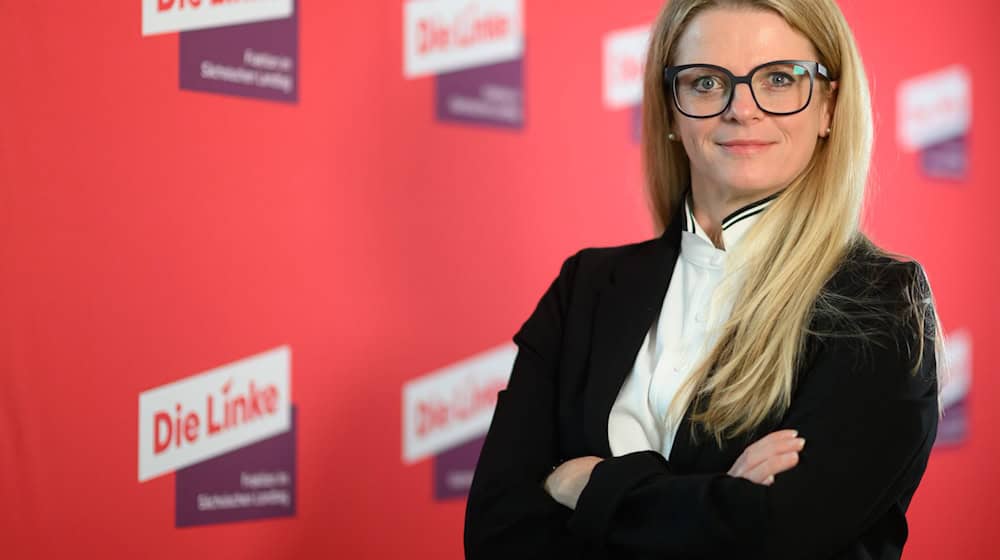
x=167 y=16
x=934 y=116
x=212 y=413
x=934 y=107
x=447 y=35
x=624 y=60
x=454 y=405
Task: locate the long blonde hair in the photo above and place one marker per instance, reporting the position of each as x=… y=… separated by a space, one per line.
x=810 y=229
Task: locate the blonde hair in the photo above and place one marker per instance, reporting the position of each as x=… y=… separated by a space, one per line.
x=787 y=258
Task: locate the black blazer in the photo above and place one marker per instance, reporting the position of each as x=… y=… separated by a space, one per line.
x=868 y=421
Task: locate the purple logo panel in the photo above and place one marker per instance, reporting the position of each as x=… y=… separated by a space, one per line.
x=946 y=160
x=487 y=95
x=253 y=482
x=453 y=470
x=258 y=60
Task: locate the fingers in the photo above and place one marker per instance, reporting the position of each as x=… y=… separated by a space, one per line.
x=764 y=472
x=774 y=443
x=764 y=454
x=768 y=456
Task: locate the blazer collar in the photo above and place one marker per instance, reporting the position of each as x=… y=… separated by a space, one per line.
x=626 y=308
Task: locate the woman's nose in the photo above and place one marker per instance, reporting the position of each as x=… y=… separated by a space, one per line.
x=743 y=106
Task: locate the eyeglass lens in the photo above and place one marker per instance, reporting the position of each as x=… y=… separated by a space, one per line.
x=778 y=88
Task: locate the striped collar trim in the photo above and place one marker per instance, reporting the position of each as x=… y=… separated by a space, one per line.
x=752 y=209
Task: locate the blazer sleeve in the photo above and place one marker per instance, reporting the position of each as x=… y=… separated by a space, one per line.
x=869 y=423
x=508 y=513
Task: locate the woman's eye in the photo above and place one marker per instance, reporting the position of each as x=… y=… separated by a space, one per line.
x=780 y=79
x=706 y=83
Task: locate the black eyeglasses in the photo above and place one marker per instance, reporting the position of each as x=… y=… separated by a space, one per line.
x=782 y=87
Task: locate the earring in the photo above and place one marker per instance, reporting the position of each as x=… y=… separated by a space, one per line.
x=827 y=131
x=671 y=136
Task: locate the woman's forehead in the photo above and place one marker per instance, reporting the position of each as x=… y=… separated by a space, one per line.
x=740 y=39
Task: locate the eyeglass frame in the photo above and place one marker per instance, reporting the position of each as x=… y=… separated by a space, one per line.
x=813 y=67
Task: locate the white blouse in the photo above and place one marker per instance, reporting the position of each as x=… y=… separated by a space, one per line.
x=687 y=328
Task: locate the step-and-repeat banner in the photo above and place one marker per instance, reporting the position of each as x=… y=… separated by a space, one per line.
x=262 y=260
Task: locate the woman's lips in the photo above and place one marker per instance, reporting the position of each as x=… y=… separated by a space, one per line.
x=745 y=148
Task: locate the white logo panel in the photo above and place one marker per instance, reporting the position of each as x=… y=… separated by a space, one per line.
x=934 y=107
x=447 y=35
x=455 y=404
x=958 y=366
x=624 y=63
x=206 y=415
x=167 y=16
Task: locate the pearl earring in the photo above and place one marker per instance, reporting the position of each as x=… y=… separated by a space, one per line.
x=671 y=136
x=827 y=131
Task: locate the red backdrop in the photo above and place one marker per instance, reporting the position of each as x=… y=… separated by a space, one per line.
x=148 y=233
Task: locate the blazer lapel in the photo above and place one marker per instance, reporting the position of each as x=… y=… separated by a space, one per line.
x=626 y=309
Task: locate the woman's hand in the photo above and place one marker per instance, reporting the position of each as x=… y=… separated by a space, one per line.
x=566 y=483
x=772 y=454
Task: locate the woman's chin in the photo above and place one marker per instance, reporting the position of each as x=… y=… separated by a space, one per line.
x=752 y=187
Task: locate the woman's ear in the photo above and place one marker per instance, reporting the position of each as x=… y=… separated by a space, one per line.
x=826 y=111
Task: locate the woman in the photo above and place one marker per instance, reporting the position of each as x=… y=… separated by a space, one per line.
x=663 y=391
